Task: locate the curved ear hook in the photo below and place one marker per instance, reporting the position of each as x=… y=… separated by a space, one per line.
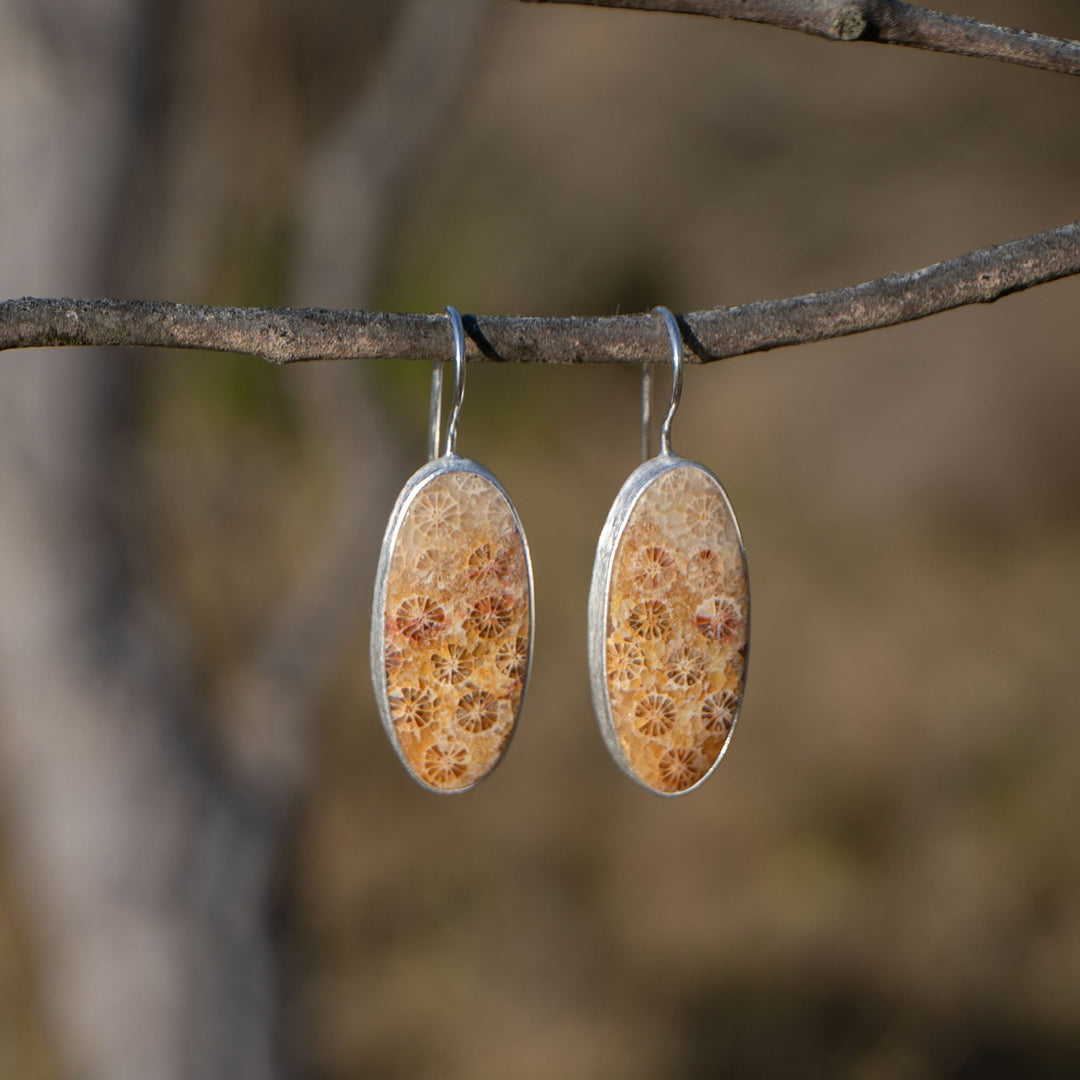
x=435 y=413
x=675 y=336
x=646 y=411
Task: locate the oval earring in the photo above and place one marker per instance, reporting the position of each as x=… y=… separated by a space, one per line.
x=669 y=614
x=452 y=619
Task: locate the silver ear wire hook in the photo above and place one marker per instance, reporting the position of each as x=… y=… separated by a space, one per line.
x=459 y=381
x=435 y=411
x=675 y=335
x=646 y=411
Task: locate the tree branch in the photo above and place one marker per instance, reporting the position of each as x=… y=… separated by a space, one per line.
x=887 y=22
x=286 y=335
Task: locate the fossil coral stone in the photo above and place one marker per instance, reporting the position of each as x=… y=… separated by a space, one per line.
x=456 y=629
x=676 y=629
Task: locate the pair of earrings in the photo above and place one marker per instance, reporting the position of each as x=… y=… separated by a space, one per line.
x=452 y=621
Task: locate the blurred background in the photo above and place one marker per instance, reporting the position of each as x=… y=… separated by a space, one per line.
x=213 y=865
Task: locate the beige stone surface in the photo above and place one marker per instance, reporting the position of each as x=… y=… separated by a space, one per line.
x=677 y=626
x=456 y=643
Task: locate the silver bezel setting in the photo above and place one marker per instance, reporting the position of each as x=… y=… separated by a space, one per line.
x=448 y=463
x=599 y=599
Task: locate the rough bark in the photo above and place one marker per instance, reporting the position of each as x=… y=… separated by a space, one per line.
x=288 y=335
x=886 y=22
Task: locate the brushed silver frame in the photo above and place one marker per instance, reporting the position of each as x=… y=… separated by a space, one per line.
x=448 y=463
x=600 y=592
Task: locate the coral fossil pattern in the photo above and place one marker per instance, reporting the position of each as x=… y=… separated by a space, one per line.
x=456 y=621
x=676 y=630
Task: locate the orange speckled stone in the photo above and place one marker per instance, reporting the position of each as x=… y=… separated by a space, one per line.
x=456 y=629
x=677 y=618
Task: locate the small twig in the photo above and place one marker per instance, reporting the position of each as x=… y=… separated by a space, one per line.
x=286 y=335
x=887 y=22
